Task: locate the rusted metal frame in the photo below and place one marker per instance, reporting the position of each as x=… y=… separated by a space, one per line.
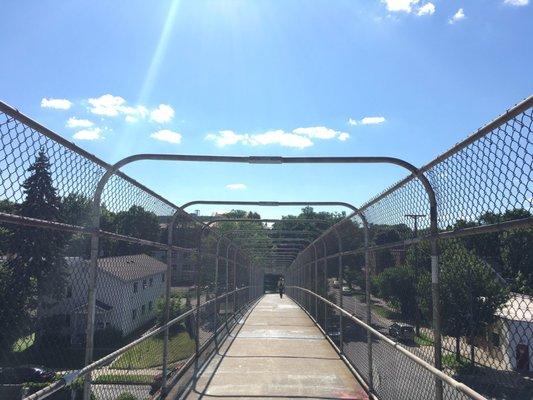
x=288 y=160
x=340 y=275
x=316 y=279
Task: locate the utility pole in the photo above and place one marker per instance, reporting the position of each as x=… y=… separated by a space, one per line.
x=415 y=217
x=415 y=233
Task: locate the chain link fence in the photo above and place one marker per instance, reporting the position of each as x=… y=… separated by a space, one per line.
x=143 y=284
x=484 y=194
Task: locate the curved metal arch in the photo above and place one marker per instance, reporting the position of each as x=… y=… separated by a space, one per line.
x=265 y=160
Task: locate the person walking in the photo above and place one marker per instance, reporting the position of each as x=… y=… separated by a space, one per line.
x=281 y=286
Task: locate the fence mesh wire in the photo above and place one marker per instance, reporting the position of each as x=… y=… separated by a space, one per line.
x=45 y=273
x=485 y=198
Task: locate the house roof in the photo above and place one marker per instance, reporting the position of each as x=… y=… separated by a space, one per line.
x=519 y=307
x=131 y=267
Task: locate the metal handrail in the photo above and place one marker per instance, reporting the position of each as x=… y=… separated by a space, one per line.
x=439 y=374
x=70 y=377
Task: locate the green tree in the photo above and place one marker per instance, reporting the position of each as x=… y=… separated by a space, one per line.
x=34 y=267
x=76 y=210
x=398 y=286
x=469 y=293
x=136 y=222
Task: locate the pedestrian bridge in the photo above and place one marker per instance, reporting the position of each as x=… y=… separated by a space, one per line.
x=143 y=300
x=276 y=351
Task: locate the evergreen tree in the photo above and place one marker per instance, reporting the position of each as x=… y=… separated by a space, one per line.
x=34 y=267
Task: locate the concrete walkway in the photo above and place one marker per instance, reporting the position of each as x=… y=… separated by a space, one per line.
x=276 y=352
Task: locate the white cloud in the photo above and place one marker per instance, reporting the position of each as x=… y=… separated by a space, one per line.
x=299 y=138
x=281 y=138
x=344 y=136
x=352 y=121
x=276 y=137
x=410 y=6
x=426 y=9
x=236 y=186
x=111 y=106
x=400 y=5
x=517 y=3
x=107 y=105
x=319 y=132
x=89 y=134
x=459 y=15
x=58 y=104
x=166 y=135
x=74 y=122
x=163 y=113
x=372 y=120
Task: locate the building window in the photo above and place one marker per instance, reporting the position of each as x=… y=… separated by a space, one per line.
x=144 y=284
x=151 y=281
x=133 y=314
x=143 y=309
x=135 y=287
x=163 y=277
x=69 y=292
x=99 y=325
x=150 y=306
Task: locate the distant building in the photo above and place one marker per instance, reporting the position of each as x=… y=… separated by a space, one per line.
x=127 y=288
x=511 y=337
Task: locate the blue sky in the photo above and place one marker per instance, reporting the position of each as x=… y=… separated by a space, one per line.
x=402 y=78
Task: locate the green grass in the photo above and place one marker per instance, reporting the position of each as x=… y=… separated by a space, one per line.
x=385 y=312
x=24 y=343
x=149 y=353
x=423 y=340
x=136 y=379
x=449 y=361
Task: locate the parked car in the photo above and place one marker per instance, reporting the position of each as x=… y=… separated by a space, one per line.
x=346 y=290
x=402 y=332
x=336 y=284
x=18 y=375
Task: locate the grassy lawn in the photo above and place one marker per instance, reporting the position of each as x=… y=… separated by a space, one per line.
x=23 y=343
x=423 y=340
x=386 y=313
x=449 y=361
x=150 y=352
x=125 y=379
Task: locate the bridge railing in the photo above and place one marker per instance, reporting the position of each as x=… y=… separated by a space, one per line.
x=397 y=371
x=484 y=193
x=141 y=281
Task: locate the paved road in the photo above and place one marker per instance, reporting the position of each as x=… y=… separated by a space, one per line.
x=277 y=351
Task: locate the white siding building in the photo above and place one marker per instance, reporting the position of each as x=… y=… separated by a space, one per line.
x=127 y=288
x=513 y=335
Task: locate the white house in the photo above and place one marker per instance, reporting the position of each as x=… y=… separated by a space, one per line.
x=513 y=334
x=127 y=288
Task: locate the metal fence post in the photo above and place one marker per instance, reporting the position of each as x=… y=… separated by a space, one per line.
x=215 y=314
x=368 y=307
x=235 y=285
x=325 y=257
x=227 y=287
x=91 y=301
x=167 y=309
x=339 y=260
x=316 y=280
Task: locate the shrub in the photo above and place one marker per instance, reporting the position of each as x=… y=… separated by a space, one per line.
x=126 y=396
